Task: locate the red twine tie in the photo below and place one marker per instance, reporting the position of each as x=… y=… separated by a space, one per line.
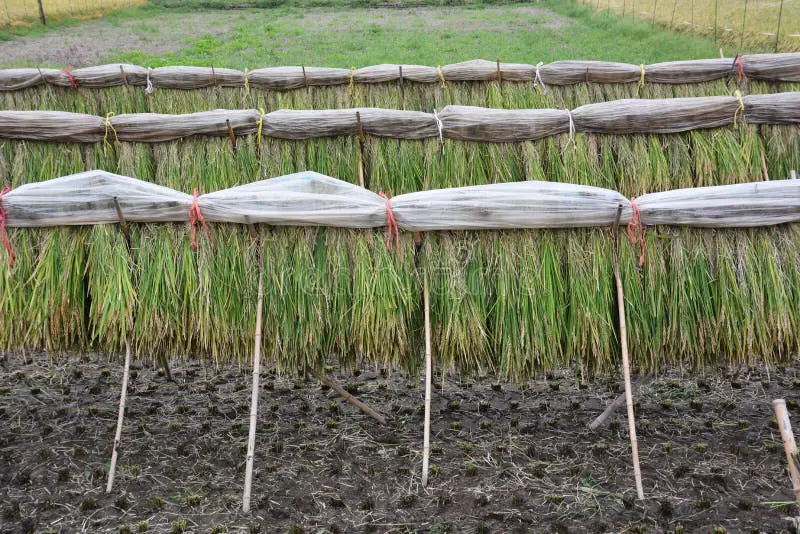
x=3 y=235
x=636 y=230
x=739 y=67
x=71 y=79
x=195 y=216
x=392 y=229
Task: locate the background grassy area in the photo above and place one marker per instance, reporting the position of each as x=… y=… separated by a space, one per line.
x=745 y=24
x=542 y=31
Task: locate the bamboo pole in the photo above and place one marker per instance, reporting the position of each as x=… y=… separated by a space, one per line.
x=112 y=468
x=426 y=439
x=251 y=439
x=789 y=445
x=626 y=370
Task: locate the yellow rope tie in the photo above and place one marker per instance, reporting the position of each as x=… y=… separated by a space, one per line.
x=352 y=80
x=107 y=124
x=641 y=80
x=246 y=82
x=260 y=129
x=739 y=110
x=441 y=75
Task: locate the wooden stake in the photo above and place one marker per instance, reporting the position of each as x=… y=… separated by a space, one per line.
x=122 y=397
x=626 y=369
x=789 y=445
x=251 y=439
x=764 y=170
x=426 y=439
x=41 y=13
x=348 y=397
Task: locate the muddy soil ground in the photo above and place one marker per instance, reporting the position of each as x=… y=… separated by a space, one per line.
x=505 y=458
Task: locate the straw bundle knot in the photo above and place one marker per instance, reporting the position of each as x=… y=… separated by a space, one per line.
x=440 y=74
x=3 y=235
x=247 y=82
x=195 y=217
x=352 y=82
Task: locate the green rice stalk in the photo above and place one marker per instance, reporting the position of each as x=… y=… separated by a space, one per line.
x=455 y=266
x=386 y=319
x=690 y=290
x=528 y=316
x=591 y=322
x=294 y=313
x=55 y=313
x=112 y=288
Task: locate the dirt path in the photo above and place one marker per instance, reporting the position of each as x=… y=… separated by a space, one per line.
x=504 y=458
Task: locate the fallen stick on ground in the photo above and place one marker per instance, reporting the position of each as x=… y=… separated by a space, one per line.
x=626 y=368
x=789 y=445
x=426 y=440
x=348 y=397
x=251 y=440
x=112 y=468
x=619 y=401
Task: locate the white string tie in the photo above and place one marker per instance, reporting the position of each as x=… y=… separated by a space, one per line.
x=537 y=80
x=148 y=90
x=440 y=126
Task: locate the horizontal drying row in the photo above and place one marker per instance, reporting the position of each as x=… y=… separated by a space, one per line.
x=634 y=116
x=770 y=67
x=313 y=199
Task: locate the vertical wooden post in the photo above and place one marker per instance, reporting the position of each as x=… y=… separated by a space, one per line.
x=251 y=439
x=778 y=30
x=655 y=5
x=120 y=416
x=744 y=22
x=672 y=19
x=426 y=439
x=360 y=134
x=41 y=13
x=626 y=368
x=789 y=445
x=716 y=17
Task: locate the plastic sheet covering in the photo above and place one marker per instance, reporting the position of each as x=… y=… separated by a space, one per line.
x=724 y=206
x=784 y=67
x=300 y=199
x=312 y=199
x=489 y=125
x=88 y=198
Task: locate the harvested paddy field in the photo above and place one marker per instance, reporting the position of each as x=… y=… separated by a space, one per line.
x=504 y=457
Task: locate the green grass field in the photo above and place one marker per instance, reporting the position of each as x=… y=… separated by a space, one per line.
x=542 y=31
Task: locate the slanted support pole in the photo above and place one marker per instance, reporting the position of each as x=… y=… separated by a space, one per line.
x=626 y=368
x=112 y=468
x=349 y=397
x=426 y=439
x=251 y=439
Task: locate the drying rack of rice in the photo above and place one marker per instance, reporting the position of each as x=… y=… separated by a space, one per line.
x=124 y=88
x=511 y=299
